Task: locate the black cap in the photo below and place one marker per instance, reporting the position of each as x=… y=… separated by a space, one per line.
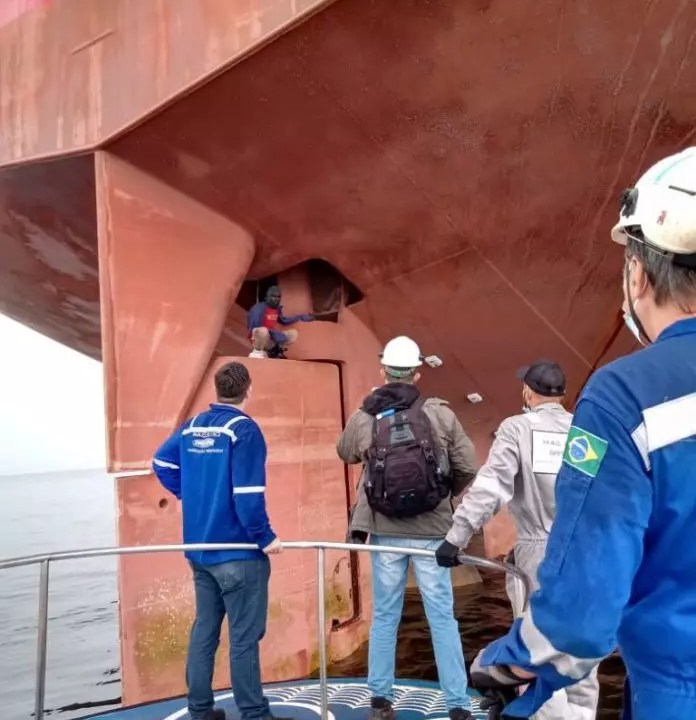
x=544 y=377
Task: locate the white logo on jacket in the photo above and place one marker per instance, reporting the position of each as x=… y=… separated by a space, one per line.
x=204 y=443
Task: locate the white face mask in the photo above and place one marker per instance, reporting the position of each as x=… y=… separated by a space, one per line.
x=630 y=322
x=631 y=325
x=525 y=405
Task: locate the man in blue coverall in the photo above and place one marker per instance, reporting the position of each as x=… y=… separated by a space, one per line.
x=620 y=565
x=215 y=463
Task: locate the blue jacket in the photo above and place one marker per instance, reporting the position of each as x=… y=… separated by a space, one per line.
x=255 y=317
x=620 y=566
x=215 y=464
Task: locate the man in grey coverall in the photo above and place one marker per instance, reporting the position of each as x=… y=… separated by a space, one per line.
x=520 y=471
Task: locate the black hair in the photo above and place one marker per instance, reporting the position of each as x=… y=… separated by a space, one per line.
x=232 y=381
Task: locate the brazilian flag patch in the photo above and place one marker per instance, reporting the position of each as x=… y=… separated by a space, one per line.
x=584 y=451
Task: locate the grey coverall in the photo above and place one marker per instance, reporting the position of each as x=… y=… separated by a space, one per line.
x=521 y=470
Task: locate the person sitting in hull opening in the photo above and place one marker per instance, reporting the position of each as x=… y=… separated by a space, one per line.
x=620 y=561
x=416 y=457
x=262 y=322
x=520 y=472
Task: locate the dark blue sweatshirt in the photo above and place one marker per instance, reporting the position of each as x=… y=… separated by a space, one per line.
x=215 y=463
x=259 y=314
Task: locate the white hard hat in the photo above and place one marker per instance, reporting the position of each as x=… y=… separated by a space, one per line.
x=661 y=209
x=401 y=352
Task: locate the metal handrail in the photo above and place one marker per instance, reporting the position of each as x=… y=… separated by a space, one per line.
x=46 y=559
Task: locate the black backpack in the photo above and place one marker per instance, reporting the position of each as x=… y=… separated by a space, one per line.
x=403 y=477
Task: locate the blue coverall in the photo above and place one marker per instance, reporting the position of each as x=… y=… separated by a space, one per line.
x=620 y=565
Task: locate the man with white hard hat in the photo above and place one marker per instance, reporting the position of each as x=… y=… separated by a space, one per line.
x=520 y=472
x=620 y=565
x=416 y=457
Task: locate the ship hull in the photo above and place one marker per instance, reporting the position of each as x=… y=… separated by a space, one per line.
x=449 y=171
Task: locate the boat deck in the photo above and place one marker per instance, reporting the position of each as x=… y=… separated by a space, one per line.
x=349 y=699
x=344 y=699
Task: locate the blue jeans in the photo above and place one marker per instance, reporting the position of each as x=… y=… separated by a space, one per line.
x=389 y=575
x=240 y=590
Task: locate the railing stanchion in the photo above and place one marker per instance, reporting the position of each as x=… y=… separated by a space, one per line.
x=41 y=643
x=321 y=622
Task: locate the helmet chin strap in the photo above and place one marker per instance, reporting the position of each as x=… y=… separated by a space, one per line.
x=644 y=338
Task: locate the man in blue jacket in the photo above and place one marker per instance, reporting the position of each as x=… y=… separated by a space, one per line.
x=620 y=565
x=215 y=464
x=262 y=322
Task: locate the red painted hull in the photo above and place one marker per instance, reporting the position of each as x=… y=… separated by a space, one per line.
x=457 y=163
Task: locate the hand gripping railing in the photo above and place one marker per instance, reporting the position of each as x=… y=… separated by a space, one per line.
x=44 y=562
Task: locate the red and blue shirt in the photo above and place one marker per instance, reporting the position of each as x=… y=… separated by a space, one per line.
x=261 y=315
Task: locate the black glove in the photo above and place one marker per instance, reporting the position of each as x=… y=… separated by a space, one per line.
x=357 y=536
x=495 y=701
x=498 y=685
x=447 y=555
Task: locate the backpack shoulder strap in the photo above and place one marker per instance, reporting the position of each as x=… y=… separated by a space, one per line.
x=418 y=409
x=418 y=403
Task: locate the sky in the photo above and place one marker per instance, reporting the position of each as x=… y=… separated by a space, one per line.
x=52 y=403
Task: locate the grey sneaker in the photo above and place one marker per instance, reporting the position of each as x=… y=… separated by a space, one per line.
x=381 y=709
x=215 y=714
x=460 y=714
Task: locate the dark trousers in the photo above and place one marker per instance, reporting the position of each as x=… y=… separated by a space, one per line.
x=626 y=709
x=240 y=590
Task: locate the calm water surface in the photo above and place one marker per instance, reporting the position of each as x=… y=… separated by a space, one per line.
x=63 y=511
x=59 y=511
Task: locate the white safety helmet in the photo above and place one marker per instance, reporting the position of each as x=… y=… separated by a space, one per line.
x=401 y=352
x=660 y=211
